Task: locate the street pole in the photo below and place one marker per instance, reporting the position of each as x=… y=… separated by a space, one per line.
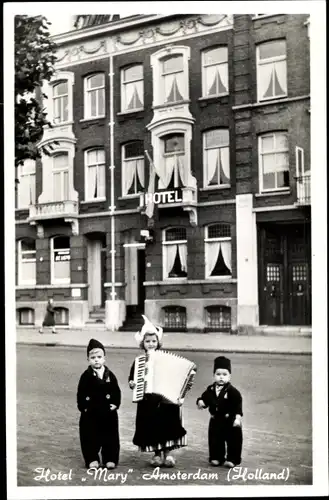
x=112 y=199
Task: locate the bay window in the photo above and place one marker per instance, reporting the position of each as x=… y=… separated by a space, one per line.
x=60 y=177
x=174 y=172
x=60 y=102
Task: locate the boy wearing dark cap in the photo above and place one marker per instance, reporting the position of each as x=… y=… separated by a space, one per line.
x=225 y=407
x=98 y=399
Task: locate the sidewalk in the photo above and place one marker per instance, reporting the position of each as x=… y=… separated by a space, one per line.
x=209 y=342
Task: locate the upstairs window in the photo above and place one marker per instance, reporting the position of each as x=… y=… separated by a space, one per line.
x=173 y=161
x=94 y=96
x=174 y=247
x=60 y=178
x=132 y=88
x=26 y=262
x=215 y=72
x=172 y=73
x=273 y=161
x=132 y=168
x=95 y=174
x=271 y=70
x=216 y=158
x=60 y=102
x=218 y=251
x=26 y=185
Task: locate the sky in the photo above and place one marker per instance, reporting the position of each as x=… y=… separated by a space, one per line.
x=60 y=23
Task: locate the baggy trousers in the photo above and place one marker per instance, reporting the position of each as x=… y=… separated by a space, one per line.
x=99 y=433
x=223 y=437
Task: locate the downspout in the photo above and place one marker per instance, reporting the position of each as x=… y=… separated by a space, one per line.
x=112 y=199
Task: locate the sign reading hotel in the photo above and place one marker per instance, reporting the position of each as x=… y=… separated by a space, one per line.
x=165 y=197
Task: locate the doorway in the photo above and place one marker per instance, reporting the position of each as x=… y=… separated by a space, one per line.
x=134 y=278
x=96 y=248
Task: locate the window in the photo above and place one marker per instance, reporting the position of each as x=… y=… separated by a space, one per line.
x=216 y=158
x=95 y=96
x=61 y=316
x=175 y=318
x=26 y=185
x=26 y=262
x=95 y=174
x=61 y=177
x=173 y=160
x=60 y=260
x=215 y=72
x=132 y=168
x=218 y=318
x=60 y=102
x=175 y=253
x=218 y=259
x=25 y=316
x=271 y=70
x=172 y=74
x=132 y=88
x=273 y=161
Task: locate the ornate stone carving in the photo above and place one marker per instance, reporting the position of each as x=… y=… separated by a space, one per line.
x=74 y=226
x=193 y=215
x=40 y=231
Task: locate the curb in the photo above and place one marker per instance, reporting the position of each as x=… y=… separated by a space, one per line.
x=181 y=349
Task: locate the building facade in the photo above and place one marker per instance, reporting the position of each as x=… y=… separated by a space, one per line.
x=178 y=183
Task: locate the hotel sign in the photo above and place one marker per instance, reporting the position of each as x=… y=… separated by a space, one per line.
x=165 y=197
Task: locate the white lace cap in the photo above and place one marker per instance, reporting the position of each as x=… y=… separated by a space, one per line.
x=148 y=327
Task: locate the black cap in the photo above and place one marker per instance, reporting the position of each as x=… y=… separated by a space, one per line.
x=94 y=344
x=222 y=362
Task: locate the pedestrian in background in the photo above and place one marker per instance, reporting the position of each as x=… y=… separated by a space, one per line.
x=159 y=426
x=49 y=319
x=98 y=399
x=225 y=407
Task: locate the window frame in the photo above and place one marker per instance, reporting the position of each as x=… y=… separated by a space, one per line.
x=124 y=83
x=203 y=66
x=19 y=310
x=53 y=280
x=166 y=243
x=87 y=97
x=123 y=170
x=59 y=98
x=219 y=239
x=20 y=252
x=173 y=154
x=204 y=149
x=62 y=171
x=260 y=162
x=48 y=89
x=87 y=165
x=21 y=174
x=271 y=60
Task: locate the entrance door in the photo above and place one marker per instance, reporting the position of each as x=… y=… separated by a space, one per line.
x=96 y=272
x=284 y=275
x=134 y=277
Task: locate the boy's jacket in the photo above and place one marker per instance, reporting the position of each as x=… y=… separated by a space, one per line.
x=95 y=394
x=226 y=405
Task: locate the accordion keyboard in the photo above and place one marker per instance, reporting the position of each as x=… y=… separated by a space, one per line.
x=139 y=378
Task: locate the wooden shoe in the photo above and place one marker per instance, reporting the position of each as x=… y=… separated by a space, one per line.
x=94 y=465
x=169 y=461
x=110 y=465
x=229 y=464
x=156 y=461
x=214 y=462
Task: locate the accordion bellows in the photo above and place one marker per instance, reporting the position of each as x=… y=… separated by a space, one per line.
x=163 y=373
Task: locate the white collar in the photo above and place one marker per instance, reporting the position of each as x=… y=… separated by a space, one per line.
x=100 y=372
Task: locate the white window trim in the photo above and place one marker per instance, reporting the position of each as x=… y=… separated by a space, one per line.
x=86 y=101
x=47 y=89
x=270 y=60
x=123 y=93
x=260 y=164
x=123 y=170
x=204 y=94
x=27 y=174
x=164 y=256
x=212 y=240
x=99 y=198
x=20 y=273
x=53 y=280
x=157 y=73
x=217 y=186
x=299 y=168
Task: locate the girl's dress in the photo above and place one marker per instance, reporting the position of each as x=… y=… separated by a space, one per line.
x=158 y=423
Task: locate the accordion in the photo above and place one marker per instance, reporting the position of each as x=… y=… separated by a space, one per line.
x=164 y=374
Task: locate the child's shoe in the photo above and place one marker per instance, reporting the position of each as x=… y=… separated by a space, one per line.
x=156 y=461
x=169 y=461
x=110 y=465
x=214 y=462
x=229 y=464
x=94 y=465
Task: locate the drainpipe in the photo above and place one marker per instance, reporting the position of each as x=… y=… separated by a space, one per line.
x=112 y=206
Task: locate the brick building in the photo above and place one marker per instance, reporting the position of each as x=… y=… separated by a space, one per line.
x=179 y=180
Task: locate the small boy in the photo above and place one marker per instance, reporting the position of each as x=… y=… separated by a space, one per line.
x=225 y=407
x=98 y=399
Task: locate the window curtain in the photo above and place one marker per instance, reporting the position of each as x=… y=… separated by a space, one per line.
x=216 y=79
x=129 y=173
x=32 y=188
x=268 y=163
x=264 y=80
x=92 y=179
x=212 y=163
x=28 y=270
x=166 y=173
x=101 y=101
x=280 y=77
x=140 y=171
x=173 y=87
x=225 y=162
x=182 y=249
x=129 y=91
x=212 y=256
x=57 y=186
x=135 y=98
x=171 y=251
x=227 y=254
x=182 y=169
x=101 y=181
x=62 y=270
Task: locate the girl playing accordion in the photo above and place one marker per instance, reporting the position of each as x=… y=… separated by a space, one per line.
x=159 y=426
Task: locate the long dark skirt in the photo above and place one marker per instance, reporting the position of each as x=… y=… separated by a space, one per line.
x=158 y=425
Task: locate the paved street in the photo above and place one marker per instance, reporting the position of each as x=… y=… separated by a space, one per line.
x=277 y=421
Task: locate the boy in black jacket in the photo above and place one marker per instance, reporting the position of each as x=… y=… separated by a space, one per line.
x=98 y=399
x=225 y=407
